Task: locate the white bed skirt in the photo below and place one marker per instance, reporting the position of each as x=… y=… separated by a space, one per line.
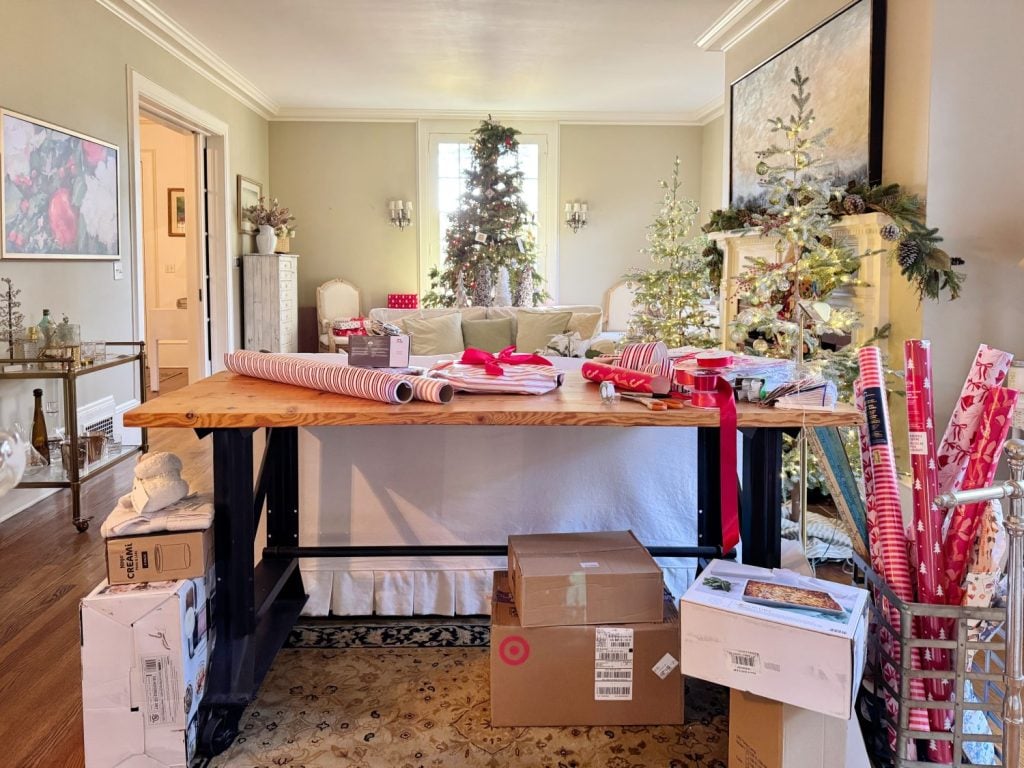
x=476 y=485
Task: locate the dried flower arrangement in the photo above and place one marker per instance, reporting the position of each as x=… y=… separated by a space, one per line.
x=275 y=216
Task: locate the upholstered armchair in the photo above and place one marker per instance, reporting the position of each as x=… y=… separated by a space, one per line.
x=335 y=300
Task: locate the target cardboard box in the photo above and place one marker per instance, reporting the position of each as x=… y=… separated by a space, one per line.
x=144 y=669
x=615 y=674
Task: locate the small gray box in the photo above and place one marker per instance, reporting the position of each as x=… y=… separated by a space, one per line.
x=378 y=351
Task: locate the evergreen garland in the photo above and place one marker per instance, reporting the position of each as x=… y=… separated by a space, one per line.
x=670 y=301
x=491 y=228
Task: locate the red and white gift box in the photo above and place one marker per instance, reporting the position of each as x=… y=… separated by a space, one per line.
x=353 y=326
x=403 y=301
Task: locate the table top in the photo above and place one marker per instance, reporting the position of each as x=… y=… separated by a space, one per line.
x=227 y=400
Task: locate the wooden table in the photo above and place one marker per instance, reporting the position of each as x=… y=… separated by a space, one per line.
x=258 y=604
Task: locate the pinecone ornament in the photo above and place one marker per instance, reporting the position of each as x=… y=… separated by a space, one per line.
x=853 y=204
x=908 y=252
x=835 y=208
x=890 y=232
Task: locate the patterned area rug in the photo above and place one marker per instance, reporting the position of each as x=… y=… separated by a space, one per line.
x=417 y=697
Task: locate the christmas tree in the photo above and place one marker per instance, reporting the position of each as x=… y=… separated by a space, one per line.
x=491 y=230
x=670 y=302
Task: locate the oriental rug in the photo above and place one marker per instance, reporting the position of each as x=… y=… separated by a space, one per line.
x=417 y=696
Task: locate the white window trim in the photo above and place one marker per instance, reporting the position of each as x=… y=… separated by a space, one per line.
x=432 y=132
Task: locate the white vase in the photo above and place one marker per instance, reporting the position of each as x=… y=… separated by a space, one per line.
x=265 y=239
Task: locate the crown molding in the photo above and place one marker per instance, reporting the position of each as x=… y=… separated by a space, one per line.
x=355 y=115
x=713 y=110
x=156 y=25
x=738 y=21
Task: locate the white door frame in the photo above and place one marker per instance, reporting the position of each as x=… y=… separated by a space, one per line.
x=146 y=96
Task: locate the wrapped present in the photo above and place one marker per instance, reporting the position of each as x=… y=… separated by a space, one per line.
x=507 y=372
x=351 y=326
x=403 y=301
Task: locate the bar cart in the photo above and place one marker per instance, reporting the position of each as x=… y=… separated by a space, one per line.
x=69 y=371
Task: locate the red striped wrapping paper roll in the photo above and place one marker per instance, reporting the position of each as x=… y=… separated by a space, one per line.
x=988 y=370
x=639 y=357
x=926 y=557
x=327 y=377
x=626 y=378
x=430 y=390
x=891 y=541
x=997 y=412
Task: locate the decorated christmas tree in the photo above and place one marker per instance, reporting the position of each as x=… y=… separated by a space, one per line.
x=670 y=302
x=491 y=232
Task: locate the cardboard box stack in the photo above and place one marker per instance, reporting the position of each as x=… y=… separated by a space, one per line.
x=584 y=614
x=792 y=648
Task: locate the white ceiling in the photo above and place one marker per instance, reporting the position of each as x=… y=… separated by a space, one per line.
x=564 y=57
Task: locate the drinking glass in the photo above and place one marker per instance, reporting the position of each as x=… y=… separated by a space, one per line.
x=99 y=351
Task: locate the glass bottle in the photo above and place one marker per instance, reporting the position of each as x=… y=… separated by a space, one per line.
x=45 y=328
x=39 y=441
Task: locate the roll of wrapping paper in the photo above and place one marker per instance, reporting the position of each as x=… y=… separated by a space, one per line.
x=429 y=390
x=988 y=370
x=890 y=539
x=327 y=377
x=926 y=528
x=997 y=413
x=639 y=357
x=625 y=378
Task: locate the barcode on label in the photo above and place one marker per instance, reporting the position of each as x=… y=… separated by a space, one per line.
x=665 y=666
x=744 y=661
x=613 y=692
x=613 y=656
x=613 y=674
x=159 y=685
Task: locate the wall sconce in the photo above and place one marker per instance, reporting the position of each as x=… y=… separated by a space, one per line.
x=575 y=216
x=401 y=213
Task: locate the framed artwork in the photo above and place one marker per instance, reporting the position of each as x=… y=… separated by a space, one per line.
x=844 y=59
x=176 y=212
x=60 y=196
x=249 y=193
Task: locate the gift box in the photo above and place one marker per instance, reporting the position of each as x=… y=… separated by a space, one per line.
x=353 y=326
x=403 y=301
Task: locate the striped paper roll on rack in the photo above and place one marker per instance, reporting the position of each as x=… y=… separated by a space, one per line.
x=327 y=377
x=988 y=370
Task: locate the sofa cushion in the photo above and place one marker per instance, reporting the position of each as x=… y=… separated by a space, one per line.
x=535 y=328
x=488 y=335
x=586 y=324
x=440 y=335
x=399 y=316
x=583 y=310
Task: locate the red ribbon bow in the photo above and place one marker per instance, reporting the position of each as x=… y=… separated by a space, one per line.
x=492 y=363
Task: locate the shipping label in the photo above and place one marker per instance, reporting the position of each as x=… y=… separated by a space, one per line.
x=160 y=683
x=613 y=664
x=746 y=662
x=665 y=666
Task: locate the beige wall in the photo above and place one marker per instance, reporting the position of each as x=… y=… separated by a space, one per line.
x=65 y=62
x=975 y=167
x=712 y=170
x=616 y=170
x=337 y=178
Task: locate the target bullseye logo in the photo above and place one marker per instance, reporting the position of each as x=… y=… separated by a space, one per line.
x=514 y=650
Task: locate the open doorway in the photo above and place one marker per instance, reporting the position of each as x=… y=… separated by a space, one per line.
x=171 y=254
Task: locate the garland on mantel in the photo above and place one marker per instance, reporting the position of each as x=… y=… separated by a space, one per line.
x=915 y=245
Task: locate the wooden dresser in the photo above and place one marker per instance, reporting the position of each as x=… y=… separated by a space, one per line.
x=270 y=303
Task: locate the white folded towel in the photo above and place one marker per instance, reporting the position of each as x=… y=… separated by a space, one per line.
x=192 y=513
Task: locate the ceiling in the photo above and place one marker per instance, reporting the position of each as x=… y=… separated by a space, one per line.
x=558 y=57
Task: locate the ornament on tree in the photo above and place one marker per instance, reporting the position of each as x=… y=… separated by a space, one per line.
x=890 y=233
x=854 y=204
x=908 y=252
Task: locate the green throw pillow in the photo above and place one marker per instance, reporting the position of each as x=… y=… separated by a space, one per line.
x=488 y=335
x=537 y=328
x=435 y=335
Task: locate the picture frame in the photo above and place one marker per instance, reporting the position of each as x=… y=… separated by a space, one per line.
x=844 y=59
x=59 y=192
x=249 y=191
x=176 y=216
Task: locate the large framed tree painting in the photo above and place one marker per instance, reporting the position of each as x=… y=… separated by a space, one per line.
x=844 y=58
x=60 y=192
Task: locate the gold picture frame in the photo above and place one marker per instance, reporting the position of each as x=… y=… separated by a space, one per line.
x=176 y=215
x=248 y=192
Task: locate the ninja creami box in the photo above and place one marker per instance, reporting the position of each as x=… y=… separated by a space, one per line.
x=144 y=667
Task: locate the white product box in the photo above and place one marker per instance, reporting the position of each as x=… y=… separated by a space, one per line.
x=144 y=656
x=767 y=734
x=755 y=638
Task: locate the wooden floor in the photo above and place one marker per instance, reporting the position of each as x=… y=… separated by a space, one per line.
x=46 y=567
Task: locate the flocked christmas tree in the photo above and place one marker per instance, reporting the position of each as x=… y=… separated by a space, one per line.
x=490 y=231
x=670 y=302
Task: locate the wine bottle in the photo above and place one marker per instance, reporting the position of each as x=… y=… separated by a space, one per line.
x=39 y=436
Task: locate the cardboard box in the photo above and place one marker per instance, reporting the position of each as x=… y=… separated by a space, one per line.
x=144 y=668
x=378 y=351
x=584 y=578
x=159 y=556
x=767 y=734
x=623 y=674
x=808 y=658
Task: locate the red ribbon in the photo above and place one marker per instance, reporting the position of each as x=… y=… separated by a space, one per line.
x=508 y=356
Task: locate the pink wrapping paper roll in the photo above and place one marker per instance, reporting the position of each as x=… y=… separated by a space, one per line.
x=926 y=557
x=625 y=378
x=639 y=357
x=430 y=390
x=890 y=539
x=988 y=370
x=327 y=377
x=997 y=412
